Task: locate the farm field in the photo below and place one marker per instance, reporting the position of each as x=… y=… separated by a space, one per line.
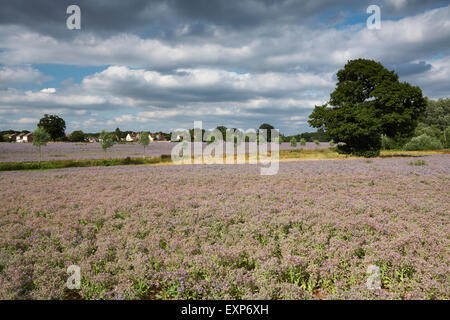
x=79 y=151
x=226 y=232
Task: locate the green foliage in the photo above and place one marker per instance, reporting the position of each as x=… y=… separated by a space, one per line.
x=280 y=139
x=311 y=136
x=446 y=136
x=437 y=113
x=418 y=163
x=106 y=140
x=332 y=144
x=40 y=137
x=53 y=125
x=77 y=136
x=431 y=131
x=268 y=128
x=423 y=142
x=224 y=132
x=293 y=142
x=317 y=142
x=59 y=164
x=120 y=134
x=303 y=142
x=144 y=139
x=368 y=101
x=394 y=143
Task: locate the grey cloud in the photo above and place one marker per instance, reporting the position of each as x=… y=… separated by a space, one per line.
x=251 y=37
x=409 y=68
x=159 y=18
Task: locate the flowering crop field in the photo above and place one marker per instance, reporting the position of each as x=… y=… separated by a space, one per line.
x=77 y=151
x=226 y=232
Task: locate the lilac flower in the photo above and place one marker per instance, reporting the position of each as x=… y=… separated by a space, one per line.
x=309 y=232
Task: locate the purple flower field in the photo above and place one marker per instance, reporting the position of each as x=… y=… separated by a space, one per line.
x=226 y=232
x=75 y=151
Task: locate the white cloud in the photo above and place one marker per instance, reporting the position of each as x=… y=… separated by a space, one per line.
x=281 y=47
x=204 y=79
x=20 y=74
x=266 y=73
x=25 y=121
x=48 y=90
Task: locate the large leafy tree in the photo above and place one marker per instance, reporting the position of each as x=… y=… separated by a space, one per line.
x=368 y=101
x=53 y=125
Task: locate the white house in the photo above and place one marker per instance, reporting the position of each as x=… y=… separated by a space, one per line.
x=28 y=137
x=24 y=137
x=132 y=137
x=135 y=137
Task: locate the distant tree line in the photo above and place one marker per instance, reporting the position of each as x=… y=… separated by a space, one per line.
x=432 y=131
x=318 y=135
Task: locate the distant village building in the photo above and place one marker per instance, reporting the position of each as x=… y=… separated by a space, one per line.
x=10 y=136
x=159 y=137
x=134 y=137
x=24 y=137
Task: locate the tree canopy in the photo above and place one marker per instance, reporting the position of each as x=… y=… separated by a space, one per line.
x=368 y=101
x=77 y=136
x=106 y=140
x=53 y=125
x=144 y=139
x=268 y=128
x=40 y=138
x=437 y=113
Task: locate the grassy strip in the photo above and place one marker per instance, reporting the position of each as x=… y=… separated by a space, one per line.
x=310 y=154
x=60 y=164
x=331 y=154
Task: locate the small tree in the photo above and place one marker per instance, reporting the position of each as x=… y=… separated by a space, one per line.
x=106 y=140
x=302 y=142
x=293 y=142
x=144 y=140
x=40 y=138
x=317 y=142
x=332 y=144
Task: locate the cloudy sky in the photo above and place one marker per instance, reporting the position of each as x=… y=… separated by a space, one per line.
x=160 y=65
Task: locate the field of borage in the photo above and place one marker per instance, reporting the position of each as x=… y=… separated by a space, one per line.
x=226 y=232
